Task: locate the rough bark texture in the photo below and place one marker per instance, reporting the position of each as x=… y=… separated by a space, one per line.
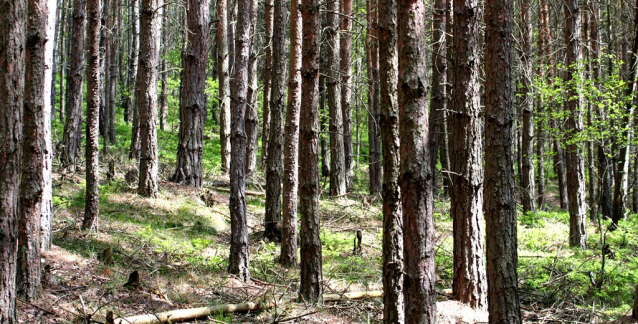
x=528 y=187
x=12 y=68
x=439 y=80
x=268 y=25
x=112 y=67
x=466 y=155
x=224 y=82
x=575 y=163
x=71 y=141
x=337 y=158
x=274 y=163
x=163 y=98
x=374 y=144
x=193 y=98
x=239 y=260
x=415 y=176
x=252 y=114
x=500 y=201
x=311 y=289
x=92 y=196
x=393 y=302
x=346 y=90
x=288 y=255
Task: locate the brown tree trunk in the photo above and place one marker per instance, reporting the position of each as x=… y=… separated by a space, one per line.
x=92 y=196
x=71 y=140
x=528 y=194
x=323 y=125
x=147 y=96
x=252 y=114
x=224 y=82
x=470 y=285
x=267 y=81
x=439 y=80
x=129 y=106
x=112 y=65
x=193 y=98
x=163 y=98
x=393 y=302
x=274 y=163
x=288 y=255
x=346 y=90
x=415 y=176
x=575 y=163
x=12 y=41
x=500 y=201
x=311 y=289
x=545 y=56
x=337 y=157
x=105 y=45
x=239 y=260
x=446 y=148
x=374 y=144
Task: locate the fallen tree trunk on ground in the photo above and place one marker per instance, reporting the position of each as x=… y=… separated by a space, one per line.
x=181 y=315
x=248 y=193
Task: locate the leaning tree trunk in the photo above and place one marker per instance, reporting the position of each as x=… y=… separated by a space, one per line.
x=224 y=82
x=337 y=158
x=500 y=201
x=288 y=255
x=268 y=25
x=311 y=289
x=415 y=176
x=252 y=113
x=575 y=163
x=346 y=90
x=71 y=141
x=147 y=96
x=239 y=260
x=469 y=285
x=92 y=197
x=372 y=50
x=193 y=98
x=528 y=187
x=393 y=303
x=274 y=161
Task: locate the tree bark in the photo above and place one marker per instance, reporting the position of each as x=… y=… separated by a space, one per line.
x=393 y=302
x=224 y=82
x=528 y=187
x=446 y=147
x=113 y=74
x=268 y=25
x=325 y=160
x=163 y=98
x=239 y=259
x=92 y=196
x=71 y=140
x=372 y=51
x=439 y=80
x=575 y=163
x=415 y=176
x=288 y=255
x=193 y=98
x=147 y=96
x=274 y=165
x=311 y=273
x=337 y=157
x=252 y=114
x=469 y=285
x=346 y=90
x=500 y=201
x=132 y=63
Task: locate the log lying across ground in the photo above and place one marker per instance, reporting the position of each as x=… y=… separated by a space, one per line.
x=181 y=315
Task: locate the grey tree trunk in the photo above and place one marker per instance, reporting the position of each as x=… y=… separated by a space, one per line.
x=224 y=82
x=163 y=98
x=374 y=144
x=129 y=106
x=113 y=74
x=528 y=187
x=323 y=124
x=337 y=157
x=146 y=96
x=346 y=90
x=500 y=201
x=268 y=25
x=252 y=114
x=193 y=98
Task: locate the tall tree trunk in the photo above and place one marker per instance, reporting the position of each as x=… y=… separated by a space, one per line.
x=193 y=98
x=393 y=303
x=71 y=140
x=446 y=148
x=500 y=202
x=540 y=108
x=372 y=51
x=113 y=74
x=129 y=105
x=146 y=96
x=528 y=192
x=346 y=90
x=55 y=10
x=439 y=80
x=12 y=67
x=288 y=255
x=268 y=25
x=634 y=205
x=325 y=160
x=310 y=242
x=224 y=82
x=415 y=176
x=470 y=285
x=252 y=114
x=274 y=165
x=135 y=147
x=64 y=24
x=163 y=98
x=337 y=158
x=239 y=260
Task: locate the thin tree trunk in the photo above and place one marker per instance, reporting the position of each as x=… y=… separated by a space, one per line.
x=446 y=151
x=500 y=201
x=224 y=82
x=163 y=98
x=288 y=255
x=337 y=158
x=439 y=80
x=415 y=176
x=528 y=194
x=393 y=302
x=56 y=23
x=311 y=285
x=267 y=81
x=239 y=259
x=325 y=160
x=346 y=90
x=61 y=52
x=543 y=27
x=113 y=74
x=252 y=114
x=146 y=96
x=470 y=284
x=372 y=51
x=129 y=106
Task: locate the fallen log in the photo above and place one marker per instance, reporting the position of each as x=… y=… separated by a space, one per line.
x=248 y=193
x=181 y=315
